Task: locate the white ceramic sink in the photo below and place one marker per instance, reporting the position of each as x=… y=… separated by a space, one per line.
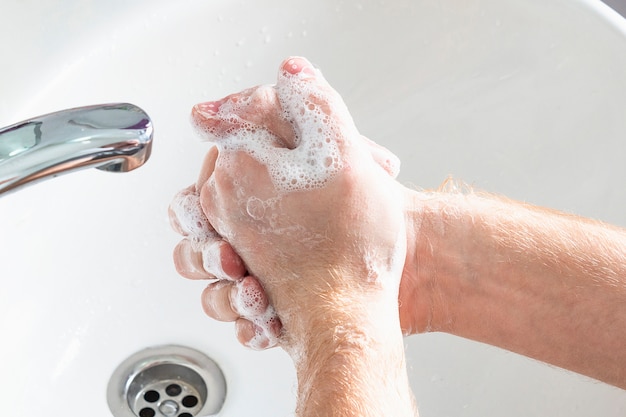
x=524 y=97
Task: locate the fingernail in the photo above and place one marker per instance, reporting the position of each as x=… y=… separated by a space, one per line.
x=299 y=65
x=208 y=109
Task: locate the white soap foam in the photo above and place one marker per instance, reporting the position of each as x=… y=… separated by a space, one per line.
x=251 y=304
x=316 y=158
x=264 y=337
x=250 y=300
x=211 y=257
x=193 y=222
x=186 y=207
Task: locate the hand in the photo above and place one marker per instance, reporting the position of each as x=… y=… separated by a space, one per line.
x=344 y=214
x=330 y=242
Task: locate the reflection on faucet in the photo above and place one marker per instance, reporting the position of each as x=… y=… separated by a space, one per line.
x=18 y=138
x=111 y=137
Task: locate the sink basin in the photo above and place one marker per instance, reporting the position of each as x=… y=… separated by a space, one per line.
x=524 y=98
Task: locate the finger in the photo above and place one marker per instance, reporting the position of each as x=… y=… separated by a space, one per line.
x=208 y=166
x=261 y=327
x=220 y=260
x=209 y=122
x=217 y=301
x=209 y=259
x=250 y=300
x=242 y=113
x=251 y=335
x=316 y=109
x=186 y=215
x=256 y=336
x=172 y=211
x=272 y=326
x=213 y=206
x=324 y=129
x=188 y=261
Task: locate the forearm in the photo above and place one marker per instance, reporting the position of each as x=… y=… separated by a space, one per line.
x=350 y=362
x=540 y=283
x=356 y=380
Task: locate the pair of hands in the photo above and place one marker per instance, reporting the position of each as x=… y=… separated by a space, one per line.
x=294 y=213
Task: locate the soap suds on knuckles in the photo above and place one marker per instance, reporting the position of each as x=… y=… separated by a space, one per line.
x=187 y=209
x=314 y=160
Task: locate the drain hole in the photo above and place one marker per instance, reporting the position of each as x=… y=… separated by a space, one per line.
x=151 y=397
x=190 y=401
x=166 y=381
x=173 y=390
x=147 y=412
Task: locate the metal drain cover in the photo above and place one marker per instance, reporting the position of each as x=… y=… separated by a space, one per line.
x=167 y=381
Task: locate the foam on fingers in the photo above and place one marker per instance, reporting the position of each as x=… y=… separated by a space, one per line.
x=318 y=125
x=251 y=299
x=216 y=301
x=189 y=216
x=265 y=333
x=213 y=119
x=295 y=65
x=251 y=336
x=308 y=152
x=251 y=303
x=203 y=254
x=208 y=166
x=188 y=261
x=220 y=260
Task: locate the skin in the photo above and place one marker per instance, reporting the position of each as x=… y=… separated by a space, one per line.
x=337 y=305
x=544 y=284
x=388 y=261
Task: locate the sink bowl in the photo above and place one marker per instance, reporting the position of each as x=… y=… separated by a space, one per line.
x=524 y=98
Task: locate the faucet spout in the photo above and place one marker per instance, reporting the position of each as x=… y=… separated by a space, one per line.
x=111 y=137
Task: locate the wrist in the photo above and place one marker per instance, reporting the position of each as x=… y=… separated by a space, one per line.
x=338 y=315
x=438 y=226
x=352 y=358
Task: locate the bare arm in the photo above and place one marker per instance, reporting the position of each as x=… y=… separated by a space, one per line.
x=326 y=239
x=541 y=283
x=310 y=208
x=349 y=357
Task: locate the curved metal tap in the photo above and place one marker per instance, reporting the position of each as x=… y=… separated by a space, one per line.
x=111 y=137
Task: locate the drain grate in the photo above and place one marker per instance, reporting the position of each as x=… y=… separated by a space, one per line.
x=167 y=397
x=166 y=381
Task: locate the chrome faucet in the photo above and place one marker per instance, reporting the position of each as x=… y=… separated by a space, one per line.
x=111 y=137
